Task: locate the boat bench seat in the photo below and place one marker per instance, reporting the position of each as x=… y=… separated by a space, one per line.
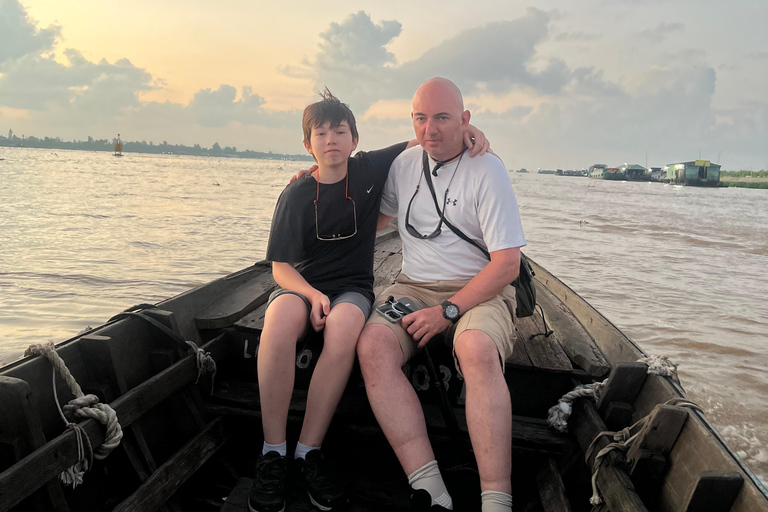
x=234 y=306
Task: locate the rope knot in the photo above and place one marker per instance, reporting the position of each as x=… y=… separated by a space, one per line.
x=82 y=406
x=205 y=362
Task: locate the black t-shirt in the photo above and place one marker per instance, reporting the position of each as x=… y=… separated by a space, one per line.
x=333 y=266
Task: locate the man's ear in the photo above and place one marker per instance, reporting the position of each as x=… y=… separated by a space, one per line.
x=354 y=143
x=465 y=118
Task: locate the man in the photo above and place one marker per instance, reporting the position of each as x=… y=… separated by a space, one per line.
x=457 y=286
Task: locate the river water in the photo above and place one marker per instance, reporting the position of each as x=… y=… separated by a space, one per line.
x=681 y=270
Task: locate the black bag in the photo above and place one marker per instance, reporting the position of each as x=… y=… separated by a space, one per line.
x=525 y=289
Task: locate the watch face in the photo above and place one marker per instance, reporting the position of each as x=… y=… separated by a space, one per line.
x=451 y=311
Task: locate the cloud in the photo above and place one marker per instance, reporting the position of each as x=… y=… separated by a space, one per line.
x=576 y=36
x=220 y=107
x=19 y=35
x=661 y=32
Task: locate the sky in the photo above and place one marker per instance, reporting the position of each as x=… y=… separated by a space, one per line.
x=553 y=84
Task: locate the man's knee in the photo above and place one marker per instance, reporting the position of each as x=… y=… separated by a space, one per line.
x=378 y=347
x=476 y=351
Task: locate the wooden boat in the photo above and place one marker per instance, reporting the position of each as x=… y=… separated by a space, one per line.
x=189 y=440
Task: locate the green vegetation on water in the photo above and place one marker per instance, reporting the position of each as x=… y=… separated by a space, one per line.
x=746 y=184
x=745 y=174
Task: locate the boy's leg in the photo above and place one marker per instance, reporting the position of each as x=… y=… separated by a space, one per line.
x=342 y=328
x=285 y=322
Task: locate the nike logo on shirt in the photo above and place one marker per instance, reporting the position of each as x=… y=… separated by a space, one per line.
x=369 y=190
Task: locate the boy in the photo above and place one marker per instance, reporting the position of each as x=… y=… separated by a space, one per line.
x=321 y=247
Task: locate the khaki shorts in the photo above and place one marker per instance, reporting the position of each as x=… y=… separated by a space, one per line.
x=493 y=317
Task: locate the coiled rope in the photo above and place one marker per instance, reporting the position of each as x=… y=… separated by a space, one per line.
x=82 y=406
x=205 y=362
x=558 y=415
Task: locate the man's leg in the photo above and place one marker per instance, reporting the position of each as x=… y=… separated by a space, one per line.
x=488 y=409
x=399 y=413
x=393 y=399
x=342 y=329
x=285 y=322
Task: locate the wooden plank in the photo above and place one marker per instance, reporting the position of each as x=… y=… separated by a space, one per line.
x=715 y=492
x=614 y=345
x=47 y=462
x=621 y=391
x=388 y=272
x=551 y=487
x=168 y=478
x=20 y=421
x=659 y=434
x=545 y=353
x=613 y=482
x=576 y=342
x=237 y=501
x=253 y=321
x=237 y=304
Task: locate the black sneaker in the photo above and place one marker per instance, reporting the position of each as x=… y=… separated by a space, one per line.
x=421 y=501
x=323 y=487
x=268 y=489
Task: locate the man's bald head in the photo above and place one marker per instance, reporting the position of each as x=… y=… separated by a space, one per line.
x=439 y=118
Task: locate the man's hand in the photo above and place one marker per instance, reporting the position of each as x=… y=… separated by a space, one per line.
x=321 y=307
x=423 y=324
x=475 y=139
x=302 y=173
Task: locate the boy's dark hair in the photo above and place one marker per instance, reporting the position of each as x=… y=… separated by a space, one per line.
x=329 y=109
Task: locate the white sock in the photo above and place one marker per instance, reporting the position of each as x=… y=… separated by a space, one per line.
x=428 y=478
x=302 y=450
x=279 y=448
x=495 y=501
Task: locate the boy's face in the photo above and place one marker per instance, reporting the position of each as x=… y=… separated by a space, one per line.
x=331 y=147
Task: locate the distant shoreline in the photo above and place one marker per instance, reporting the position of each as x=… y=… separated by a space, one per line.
x=104 y=145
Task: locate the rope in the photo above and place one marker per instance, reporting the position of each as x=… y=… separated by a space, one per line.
x=82 y=406
x=623 y=440
x=558 y=415
x=661 y=365
x=205 y=362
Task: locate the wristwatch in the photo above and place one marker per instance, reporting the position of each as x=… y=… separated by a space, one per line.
x=451 y=311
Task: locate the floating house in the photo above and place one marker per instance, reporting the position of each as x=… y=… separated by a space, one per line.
x=546 y=171
x=596 y=170
x=634 y=172
x=702 y=173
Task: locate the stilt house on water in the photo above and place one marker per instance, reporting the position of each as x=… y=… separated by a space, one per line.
x=700 y=173
x=596 y=170
x=634 y=172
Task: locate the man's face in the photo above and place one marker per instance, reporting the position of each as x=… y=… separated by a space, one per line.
x=439 y=121
x=331 y=147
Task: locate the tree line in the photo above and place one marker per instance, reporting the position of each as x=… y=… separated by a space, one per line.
x=92 y=144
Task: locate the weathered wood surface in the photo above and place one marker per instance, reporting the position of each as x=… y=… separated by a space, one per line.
x=576 y=342
x=229 y=309
x=551 y=489
x=624 y=384
x=47 y=462
x=161 y=485
x=698 y=449
x=715 y=492
x=21 y=428
x=613 y=482
x=544 y=352
x=614 y=345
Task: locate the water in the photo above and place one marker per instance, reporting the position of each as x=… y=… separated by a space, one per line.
x=680 y=270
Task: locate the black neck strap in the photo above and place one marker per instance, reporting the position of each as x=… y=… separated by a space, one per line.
x=441 y=163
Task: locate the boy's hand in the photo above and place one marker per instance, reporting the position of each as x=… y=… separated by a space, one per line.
x=303 y=172
x=321 y=307
x=475 y=139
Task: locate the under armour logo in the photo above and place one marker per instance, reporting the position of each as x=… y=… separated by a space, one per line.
x=451 y=201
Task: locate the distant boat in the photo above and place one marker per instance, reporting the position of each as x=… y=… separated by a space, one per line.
x=118 y=147
x=523 y=170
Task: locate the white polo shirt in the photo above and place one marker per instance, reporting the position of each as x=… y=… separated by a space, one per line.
x=480 y=202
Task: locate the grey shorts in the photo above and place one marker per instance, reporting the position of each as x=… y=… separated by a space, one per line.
x=356 y=298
